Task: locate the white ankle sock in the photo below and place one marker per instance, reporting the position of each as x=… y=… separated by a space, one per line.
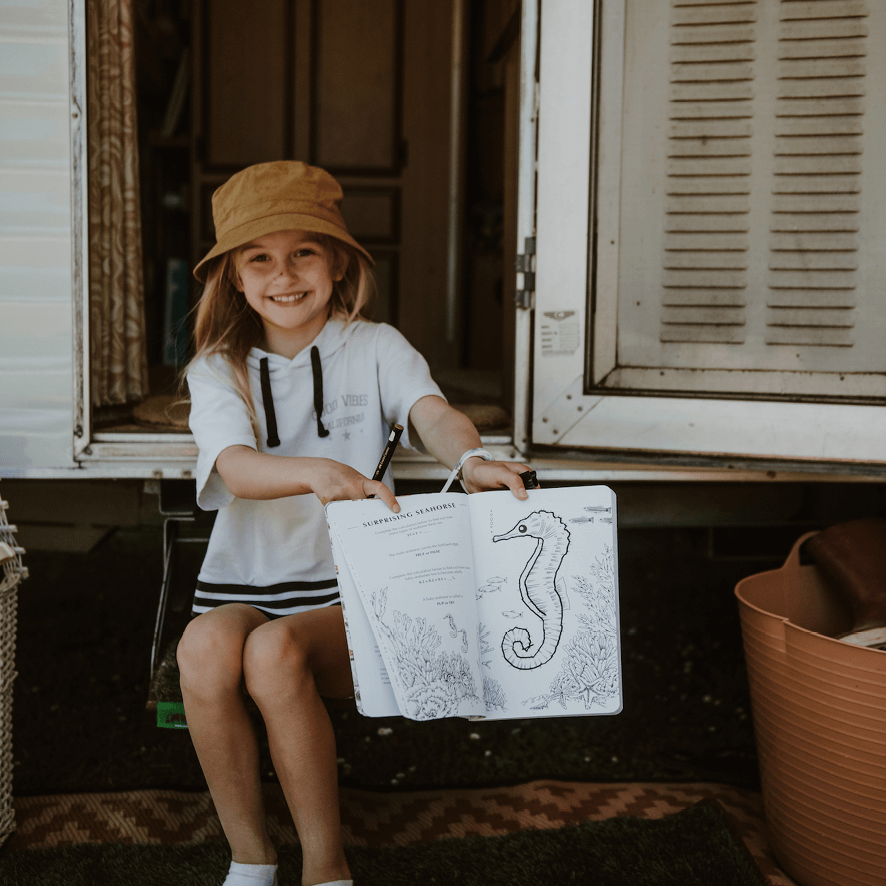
x=251 y=875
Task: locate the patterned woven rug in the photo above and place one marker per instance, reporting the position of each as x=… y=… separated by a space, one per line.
x=372 y=818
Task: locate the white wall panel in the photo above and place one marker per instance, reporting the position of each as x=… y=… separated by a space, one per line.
x=34 y=71
x=35 y=239
x=34 y=134
x=34 y=440
x=37 y=270
x=54 y=385
x=36 y=334
x=33 y=21
x=35 y=204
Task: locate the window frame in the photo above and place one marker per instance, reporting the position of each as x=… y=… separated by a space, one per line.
x=577 y=272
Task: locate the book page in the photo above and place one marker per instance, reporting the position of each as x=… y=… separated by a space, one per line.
x=547 y=601
x=413 y=571
x=373 y=692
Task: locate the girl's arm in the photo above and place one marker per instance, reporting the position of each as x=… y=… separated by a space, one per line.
x=447 y=434
x=260 y=475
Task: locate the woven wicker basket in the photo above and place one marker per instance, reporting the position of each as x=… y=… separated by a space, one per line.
x=12 y=573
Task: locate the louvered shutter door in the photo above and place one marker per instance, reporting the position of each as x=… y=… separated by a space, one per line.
x=751 y=225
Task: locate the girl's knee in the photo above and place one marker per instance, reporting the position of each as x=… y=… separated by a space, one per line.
x=210 y=653
x=274 y=659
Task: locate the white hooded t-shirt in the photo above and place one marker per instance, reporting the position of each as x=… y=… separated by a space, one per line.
x=275 y=554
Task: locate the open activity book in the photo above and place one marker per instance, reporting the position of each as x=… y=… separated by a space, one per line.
x=481 y=606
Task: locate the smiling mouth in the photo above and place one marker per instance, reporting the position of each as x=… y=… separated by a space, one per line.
x=287 y=299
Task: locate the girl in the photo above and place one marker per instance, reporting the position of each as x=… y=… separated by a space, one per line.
x=292 y=394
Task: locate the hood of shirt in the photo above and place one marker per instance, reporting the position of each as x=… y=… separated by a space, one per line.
x=277 y=375
x=331 y=339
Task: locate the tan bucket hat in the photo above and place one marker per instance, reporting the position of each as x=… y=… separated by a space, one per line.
x=285 y=195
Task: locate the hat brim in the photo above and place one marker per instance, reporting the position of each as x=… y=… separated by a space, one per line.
x=243 y=234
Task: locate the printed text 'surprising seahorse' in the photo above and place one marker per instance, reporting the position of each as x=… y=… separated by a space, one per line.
x=538 y=588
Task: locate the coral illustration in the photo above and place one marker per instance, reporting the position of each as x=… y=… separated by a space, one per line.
x=494 y=695
x=589 y=671
x=435 y=683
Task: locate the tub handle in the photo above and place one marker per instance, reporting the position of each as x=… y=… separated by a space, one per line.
x=793 y=559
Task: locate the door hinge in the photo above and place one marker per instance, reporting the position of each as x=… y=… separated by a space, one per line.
x=524 y=297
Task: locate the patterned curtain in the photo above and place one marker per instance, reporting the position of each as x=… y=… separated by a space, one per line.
x=118 y=356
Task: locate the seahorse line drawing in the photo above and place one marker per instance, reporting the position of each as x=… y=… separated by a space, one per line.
x=538 y=589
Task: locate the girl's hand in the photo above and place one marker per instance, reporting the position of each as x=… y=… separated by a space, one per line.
x=333 y=481
x=482 y=476
x=447 y=433
x=260 y=476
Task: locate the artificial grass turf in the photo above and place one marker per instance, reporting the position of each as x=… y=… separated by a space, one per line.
x=84 y=640
x=694 y=847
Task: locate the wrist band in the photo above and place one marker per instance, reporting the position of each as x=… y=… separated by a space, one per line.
x=456 y=471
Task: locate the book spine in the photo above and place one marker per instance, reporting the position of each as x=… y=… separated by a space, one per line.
x=344 y=613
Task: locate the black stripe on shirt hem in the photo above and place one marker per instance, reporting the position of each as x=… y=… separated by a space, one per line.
x=272 y=605
x=281 y=588
x=269 y=610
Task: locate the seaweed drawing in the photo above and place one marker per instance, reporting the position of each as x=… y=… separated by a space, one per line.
x=435 y=683
x=482 y=636
x=589 y=669
x=539 y=589
x=494 y=695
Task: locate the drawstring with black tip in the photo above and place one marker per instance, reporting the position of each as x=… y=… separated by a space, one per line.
x=318 y=390
x=268 y=399
x=268 y=403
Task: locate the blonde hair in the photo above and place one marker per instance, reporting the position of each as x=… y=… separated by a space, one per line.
x=226 y=324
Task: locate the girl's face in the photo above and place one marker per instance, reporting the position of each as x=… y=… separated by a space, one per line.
x=286 y=278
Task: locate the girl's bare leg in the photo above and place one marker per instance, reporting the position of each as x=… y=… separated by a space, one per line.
x=210 y=657
x=288 y=664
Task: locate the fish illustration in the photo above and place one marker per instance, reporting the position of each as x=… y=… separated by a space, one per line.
x=513 y=613
x=492 y=585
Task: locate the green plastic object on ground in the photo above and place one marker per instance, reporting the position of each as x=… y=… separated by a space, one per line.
x=171 y=715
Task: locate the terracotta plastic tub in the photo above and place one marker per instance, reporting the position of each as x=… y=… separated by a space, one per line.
x=819 y=709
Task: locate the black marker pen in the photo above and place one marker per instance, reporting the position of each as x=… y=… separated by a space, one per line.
x=387 y=455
